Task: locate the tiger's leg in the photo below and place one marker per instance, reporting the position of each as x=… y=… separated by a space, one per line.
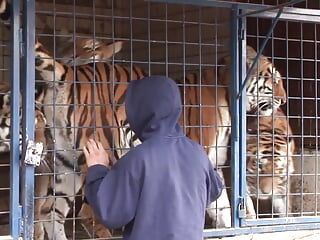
x=92 y=224
x=220 y=210
x=41 y=188
x=89 y=222
x=250 y=211
x=63 y=187
x=279 y=206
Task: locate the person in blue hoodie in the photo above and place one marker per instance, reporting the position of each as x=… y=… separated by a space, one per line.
x=160 y=189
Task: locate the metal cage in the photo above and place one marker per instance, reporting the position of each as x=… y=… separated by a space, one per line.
x=269 y=154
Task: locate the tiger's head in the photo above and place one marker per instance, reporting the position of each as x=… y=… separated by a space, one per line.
x=264 y=90
x=5 y=123
x=80 y=52
x=88 y=50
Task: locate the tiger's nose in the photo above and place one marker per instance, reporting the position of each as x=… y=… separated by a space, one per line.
x=266 y=185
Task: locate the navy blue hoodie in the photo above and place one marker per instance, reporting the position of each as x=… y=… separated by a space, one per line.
x=159 y=190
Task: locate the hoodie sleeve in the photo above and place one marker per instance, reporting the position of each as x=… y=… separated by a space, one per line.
x=113 y=194
x=214 y=184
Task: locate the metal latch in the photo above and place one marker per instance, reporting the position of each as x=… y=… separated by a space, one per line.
x=33 y=153
x=242 y=208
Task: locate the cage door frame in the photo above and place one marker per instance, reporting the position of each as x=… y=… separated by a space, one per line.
x=285 y=223
x=15 y=207
x=28 y=116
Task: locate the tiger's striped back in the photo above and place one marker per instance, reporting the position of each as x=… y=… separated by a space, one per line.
x=93 y=95
x=206 y=119
x=79 y=103
x=206 y=113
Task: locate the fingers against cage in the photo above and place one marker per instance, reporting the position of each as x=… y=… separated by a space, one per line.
x=99 y=144
x=94 y=142
x=91 y=146
x=86 y=152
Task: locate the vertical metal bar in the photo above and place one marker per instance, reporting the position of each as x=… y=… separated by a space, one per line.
x=302 y=119
x=316 y=119
x=200 y=76
x=55 y=150
x=235 y=117
x=166 y=41
x=273 y=131
x=242 y=48
x=15 y=210
x=74 y=107
x=28 y=86
x=184 y=67
x=149 y=40
x=287 y=108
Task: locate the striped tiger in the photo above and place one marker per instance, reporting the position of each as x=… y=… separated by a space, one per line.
x=76 y=110
x=265 y=94
x=270 y=149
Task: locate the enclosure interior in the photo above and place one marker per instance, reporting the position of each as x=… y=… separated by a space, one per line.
x=175 y=40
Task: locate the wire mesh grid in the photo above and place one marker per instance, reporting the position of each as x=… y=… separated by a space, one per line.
x=188 y=44
x=282 y=155
x=182 y=42
x=4 y=157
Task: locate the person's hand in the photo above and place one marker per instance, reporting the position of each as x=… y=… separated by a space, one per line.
x=95 y=154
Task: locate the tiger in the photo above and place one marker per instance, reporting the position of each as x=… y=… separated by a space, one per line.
x=270 y=150
x=265 y=94
x=94 y=110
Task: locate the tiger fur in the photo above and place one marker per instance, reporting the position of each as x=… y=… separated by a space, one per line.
x=270 y=149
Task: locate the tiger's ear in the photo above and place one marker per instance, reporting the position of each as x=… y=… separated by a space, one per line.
x=224 y=70
x=107 y=51
x=91 y=50
x=251 y=55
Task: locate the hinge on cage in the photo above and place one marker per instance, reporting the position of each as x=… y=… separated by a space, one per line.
x=241 y=208
x=21 y=43
x=33 y=153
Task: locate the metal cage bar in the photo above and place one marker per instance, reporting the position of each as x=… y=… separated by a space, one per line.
x=15 y=208
x=240 y=225
x=235 y=118
x=28 y=93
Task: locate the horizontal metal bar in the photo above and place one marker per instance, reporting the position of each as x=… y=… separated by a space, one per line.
x=289 y=13
x=248 y=13
x=292 y=16
x=217 y=3
x=261 y=229
x=281 y=221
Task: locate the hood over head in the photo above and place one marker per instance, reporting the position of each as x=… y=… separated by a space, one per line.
x=153 y=107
